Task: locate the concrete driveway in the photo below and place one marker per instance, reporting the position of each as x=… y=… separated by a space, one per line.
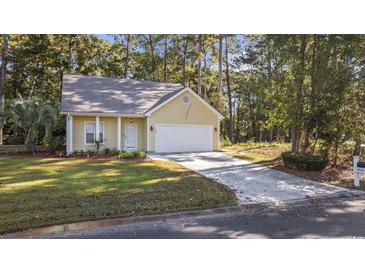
x=253 y=183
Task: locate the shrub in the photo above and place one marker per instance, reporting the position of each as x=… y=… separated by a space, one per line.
x=111 y=151
x=304 y=162
x=107 y=151
x=90 y=152
x=132 y=154
x=139 y=154
x=57 y=143
x=127 y=155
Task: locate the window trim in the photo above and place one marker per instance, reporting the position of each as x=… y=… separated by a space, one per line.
x=94 y=122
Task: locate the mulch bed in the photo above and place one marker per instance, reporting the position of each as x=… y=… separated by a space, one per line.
x=340 y=175
x=54 y=155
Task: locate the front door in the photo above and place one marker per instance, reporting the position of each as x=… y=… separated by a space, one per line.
x=130 y=137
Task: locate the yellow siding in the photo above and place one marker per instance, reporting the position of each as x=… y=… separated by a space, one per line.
x=110 y=131
x=78 y=137
x=176 y=112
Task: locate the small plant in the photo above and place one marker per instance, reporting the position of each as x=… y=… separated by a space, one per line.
x=98 y=144
x=114 y=152
x=132 y=154
x=90 y=152
x=111 y=151
x=139 y=154
x=127 y=155
x=304 y=162
x=107 y=151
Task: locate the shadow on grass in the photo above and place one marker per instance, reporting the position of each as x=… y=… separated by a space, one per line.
x=42 y=191
x=256 y=160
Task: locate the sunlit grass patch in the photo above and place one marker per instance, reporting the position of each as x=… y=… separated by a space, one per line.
x=262 y=153
x=43 y=191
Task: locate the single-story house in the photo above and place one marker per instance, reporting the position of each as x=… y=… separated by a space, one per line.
x=136 y=115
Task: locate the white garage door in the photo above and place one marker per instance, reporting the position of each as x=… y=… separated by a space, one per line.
x=183 y=138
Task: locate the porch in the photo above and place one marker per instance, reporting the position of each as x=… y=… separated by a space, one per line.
x=119 y=132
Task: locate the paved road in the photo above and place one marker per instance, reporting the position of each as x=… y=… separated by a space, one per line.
x=332 y=218
x=252 y=183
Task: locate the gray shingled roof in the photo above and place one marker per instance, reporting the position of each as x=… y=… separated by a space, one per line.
x=91 y=94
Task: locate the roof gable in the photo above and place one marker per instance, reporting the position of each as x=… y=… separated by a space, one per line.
x=174 y=95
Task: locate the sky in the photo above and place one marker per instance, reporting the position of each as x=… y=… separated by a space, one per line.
x=106 y=37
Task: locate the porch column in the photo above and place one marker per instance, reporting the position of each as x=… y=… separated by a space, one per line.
x=97 y=128
x=148 y=134
x=119 y=133
x=69 y=134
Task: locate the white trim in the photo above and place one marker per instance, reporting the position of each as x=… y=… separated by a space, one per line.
x=90 y=144
x=104 y=114
x=97 y=129
x=219 y=129
x=69 y=121
x=220 y=116
x=148 y=134
x=119 y=133
x=71 y=133
x=125 y=137
x=189 y=125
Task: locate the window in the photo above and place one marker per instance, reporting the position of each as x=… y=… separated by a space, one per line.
x=90 y=132
x=186 y=99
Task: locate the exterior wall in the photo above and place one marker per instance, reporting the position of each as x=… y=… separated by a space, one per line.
x=110 y=131
x=141 y=131
x=177 y=112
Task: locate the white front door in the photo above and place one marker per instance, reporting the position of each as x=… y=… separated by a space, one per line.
x=130 y=137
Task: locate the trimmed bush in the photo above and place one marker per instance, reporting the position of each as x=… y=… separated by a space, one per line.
x=304 y=162
x=132 y=154
x=111 y=151
x=139 y=154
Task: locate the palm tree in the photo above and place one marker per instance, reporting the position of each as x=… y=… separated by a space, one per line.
x=29 y=115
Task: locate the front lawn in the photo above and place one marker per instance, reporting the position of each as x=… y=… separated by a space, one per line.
x=43 y=191
x=260 y=153
x=269 y=154
x=12 y=148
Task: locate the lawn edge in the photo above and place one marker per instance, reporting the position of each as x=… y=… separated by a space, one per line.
x=102 y=223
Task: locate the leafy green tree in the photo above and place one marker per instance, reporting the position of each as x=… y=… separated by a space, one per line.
x=30 y=115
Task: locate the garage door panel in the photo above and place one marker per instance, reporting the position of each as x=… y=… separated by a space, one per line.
x=183 y=138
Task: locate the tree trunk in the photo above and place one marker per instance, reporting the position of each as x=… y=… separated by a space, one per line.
x=269 y=74
x=126 y=56
x=238 y=117
x=152 y=53
x=199 y=65
x=357 y=149
x=205 y=76
x=220 y=62
x=309 y=126
x=70 y=43
x=278 y=133
x=229 y=94
x=4 y=60
x=185 y=52
x=297 y=127
x=260 y=138
x=165 y=60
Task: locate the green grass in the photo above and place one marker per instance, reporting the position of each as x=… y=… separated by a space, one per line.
x=43 y=191
x=12 y=148
x=260 y=153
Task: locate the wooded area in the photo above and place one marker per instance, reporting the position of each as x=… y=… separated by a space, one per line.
x=306 y=89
